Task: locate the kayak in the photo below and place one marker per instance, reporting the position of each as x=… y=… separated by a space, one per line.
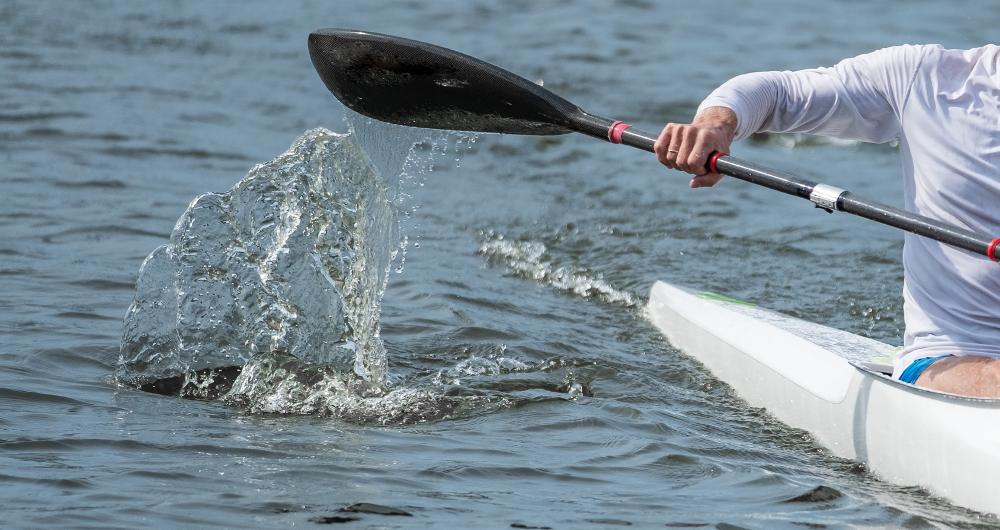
x=838 y=387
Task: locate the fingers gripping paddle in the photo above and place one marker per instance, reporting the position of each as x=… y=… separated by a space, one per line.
x=417 y=84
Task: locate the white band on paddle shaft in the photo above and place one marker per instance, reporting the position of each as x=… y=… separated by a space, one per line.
x=825 y=196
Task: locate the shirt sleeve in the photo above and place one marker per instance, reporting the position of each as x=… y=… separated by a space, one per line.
x=860 y=98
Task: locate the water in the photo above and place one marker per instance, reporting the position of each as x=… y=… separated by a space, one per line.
x=517 y=316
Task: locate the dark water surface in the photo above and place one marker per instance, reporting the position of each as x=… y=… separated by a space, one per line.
x=534 y=258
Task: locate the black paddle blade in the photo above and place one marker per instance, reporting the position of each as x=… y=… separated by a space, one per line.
x=412 y=83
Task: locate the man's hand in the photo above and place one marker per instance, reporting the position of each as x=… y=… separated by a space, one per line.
x=686 y=147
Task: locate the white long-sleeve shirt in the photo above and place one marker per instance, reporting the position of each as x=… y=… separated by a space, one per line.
x=944 y=108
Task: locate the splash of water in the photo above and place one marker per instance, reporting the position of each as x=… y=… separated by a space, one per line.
x=268 y=296
x=292 y=260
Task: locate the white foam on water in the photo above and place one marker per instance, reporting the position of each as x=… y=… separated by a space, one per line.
x=282 y=384
x=529 y=259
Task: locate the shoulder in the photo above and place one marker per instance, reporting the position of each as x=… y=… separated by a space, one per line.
x=936 y=53
x=938 y=61
x=900 y=56
x=945 y=53
x=888 y=70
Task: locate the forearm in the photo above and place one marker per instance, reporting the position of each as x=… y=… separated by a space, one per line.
x=841 y=101
x=860 y=98
x=750 y=100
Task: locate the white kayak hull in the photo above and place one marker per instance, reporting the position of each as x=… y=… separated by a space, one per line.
x=824 y=381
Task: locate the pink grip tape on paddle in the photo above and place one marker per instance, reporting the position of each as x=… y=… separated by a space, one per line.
x=713 y=159
x=616 y=130
x=991 y=252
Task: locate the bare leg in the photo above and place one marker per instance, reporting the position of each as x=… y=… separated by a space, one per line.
x=966 y=375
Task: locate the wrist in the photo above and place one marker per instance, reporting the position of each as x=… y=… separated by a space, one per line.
x=722 y=119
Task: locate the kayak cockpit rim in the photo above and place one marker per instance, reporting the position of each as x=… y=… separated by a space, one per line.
x=878 y=370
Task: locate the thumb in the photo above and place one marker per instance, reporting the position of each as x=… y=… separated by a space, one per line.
x=705 y=181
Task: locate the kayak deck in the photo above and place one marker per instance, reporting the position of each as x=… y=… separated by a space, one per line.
x=835 y=385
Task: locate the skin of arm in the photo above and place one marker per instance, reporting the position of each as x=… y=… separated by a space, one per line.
x=687 y=146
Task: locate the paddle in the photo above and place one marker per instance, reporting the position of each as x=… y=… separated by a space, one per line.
x=417 y=84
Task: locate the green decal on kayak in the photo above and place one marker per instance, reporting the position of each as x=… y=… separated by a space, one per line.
x=888 y=359
x=709 y=295
x=883 y=359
